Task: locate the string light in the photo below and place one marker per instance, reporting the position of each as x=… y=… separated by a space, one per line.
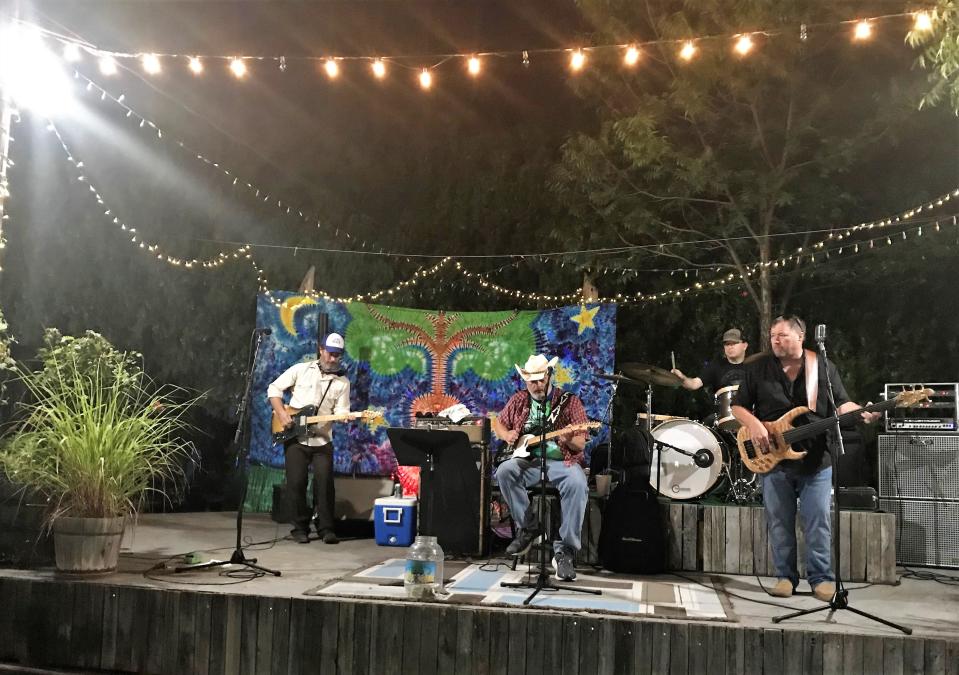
x=688 y=51
x=631 y=57
x=151 y=64
x=923 y=22
x=331 y=68
x=238 y=68
x=744 y=45
x=473 y=66
x=71 y=52
x=426 y=79
x=379 y=69
x=108 y=65
x=862 y=31
x=577 y=60
x=196 y=65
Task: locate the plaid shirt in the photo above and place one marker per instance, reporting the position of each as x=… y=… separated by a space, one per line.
x=516 y=411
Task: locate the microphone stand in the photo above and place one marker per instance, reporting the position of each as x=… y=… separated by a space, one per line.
x=241 y=440
x=840 y=597
x=542 y=582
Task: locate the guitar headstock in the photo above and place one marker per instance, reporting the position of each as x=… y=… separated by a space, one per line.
x=371 y=415
x=909 y=398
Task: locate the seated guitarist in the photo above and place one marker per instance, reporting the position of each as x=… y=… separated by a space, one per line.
x=318 y=383
x=525 y=413
x=791 y=377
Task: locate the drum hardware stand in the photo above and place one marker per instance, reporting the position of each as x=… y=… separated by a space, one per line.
x=542 y=582
x=836 y=449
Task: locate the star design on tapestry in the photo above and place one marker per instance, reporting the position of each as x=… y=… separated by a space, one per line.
x=585 y=318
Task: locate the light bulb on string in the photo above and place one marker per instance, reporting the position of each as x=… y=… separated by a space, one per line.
x=151 y=64
x=332 y=68
x=744 y=45
x=923 y=22
x=108 y=65
x=71 y=52
x=577 y=60
x=238 y=67
x=862 y=31
x=473 y=66
x=378 y=68
x=631 y=57
x=688 y=51
x=196 y=65
x=426 y=79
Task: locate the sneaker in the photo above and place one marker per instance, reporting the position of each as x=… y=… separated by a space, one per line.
x=782 y=589
x=824 y=591
x=329 y=537
x=563 y=562
x=523 y=541
x=300 y=537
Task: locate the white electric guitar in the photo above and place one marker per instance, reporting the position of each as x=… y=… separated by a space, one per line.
x=520 y=449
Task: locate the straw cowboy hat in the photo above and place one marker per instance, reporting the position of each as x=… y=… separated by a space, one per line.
x=536 y=367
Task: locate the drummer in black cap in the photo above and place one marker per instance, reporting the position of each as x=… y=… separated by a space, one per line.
x=720 y=373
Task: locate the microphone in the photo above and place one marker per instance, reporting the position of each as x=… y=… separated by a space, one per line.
x=821 y=332
x=703 y=458
x=263 y=331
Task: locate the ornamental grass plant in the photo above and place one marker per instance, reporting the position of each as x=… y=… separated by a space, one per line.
x=95 y=437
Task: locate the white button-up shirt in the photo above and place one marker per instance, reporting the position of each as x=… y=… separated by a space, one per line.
x=309 y=383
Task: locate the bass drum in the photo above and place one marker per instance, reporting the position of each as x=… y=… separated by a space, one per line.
x=679 y=477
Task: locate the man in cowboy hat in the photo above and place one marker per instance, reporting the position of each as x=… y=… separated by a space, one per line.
x=527 y=412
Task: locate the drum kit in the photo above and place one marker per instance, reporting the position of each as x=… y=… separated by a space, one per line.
x=691 y=459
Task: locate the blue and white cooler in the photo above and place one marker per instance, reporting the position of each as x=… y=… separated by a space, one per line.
x=394 y=521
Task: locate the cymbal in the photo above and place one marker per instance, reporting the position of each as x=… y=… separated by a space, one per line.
x=616 y=377
x=650 y=374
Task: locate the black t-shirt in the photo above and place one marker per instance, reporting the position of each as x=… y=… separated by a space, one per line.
x=768 y=394
x=721 y=373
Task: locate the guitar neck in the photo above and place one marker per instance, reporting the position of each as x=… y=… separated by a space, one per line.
x=316 y=419
x=552 y=434
x=819 y=426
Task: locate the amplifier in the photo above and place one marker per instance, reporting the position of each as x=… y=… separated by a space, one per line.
x=935 y=415
x=918 y=466
x=473 y=429
x=927 y=531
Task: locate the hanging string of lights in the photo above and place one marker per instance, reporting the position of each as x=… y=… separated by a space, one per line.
x=741 y=44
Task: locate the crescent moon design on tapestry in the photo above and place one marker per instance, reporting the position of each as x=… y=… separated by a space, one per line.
x=289 y=308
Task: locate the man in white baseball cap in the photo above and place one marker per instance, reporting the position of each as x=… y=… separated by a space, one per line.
x=319 y=383
x=528 y=411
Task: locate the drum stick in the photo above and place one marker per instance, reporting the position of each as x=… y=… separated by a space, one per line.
x=672 y=356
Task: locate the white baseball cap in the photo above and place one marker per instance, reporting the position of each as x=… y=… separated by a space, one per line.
x=334 y=343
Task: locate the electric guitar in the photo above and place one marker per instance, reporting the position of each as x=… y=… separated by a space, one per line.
x=304 y=417
x=782 y=434
x=520 y=449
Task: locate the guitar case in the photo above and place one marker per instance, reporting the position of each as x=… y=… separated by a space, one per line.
x=633 y=538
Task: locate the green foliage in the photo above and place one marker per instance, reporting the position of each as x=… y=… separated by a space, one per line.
x=95 y=439
x=940 y=54
x=7 y=363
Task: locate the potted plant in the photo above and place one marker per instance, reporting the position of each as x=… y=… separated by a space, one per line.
x=95 y=438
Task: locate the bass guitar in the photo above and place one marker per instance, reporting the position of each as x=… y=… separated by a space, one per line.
x=782 y=434
x=520 y=449
x=304 y=417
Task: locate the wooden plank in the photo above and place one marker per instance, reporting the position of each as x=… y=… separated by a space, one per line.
x=553 y=652
x=154 y=610
x=708 y=539
x=570 y=665
x=8 y=592
x=516 y=642
x=812 y=652
x=263 y=639
x=758 y=516
x=731 y=561
x=913 y=657
x=674 y=560
x=85 y=639
x=719 y=552
x=735 y=650
x=857 y=546
x=389 y=652
x=691 y=557
x=773 y=661
x=278 y=635
x=698 y=646
x=678 y=648
x=233 y=615
x=445 y=642
x=624 y=647
x=345 y=613
x=844 y=560
x=716 y=660
x=535 y=643
x=660 y=648
x=588 y=645
x=170 y=631
x=873 y=548
x=218 y=616
x=363 y=632
x=464 y=638
x=201 y=639
x=429 y=624
x=498 y=654
x=892 y=656
x=935 y=661
x=792 y=652
x=872 y=654
x=745 y=540
x=108 y=627
x=887 y=547
x=329 y=633
x=186 y=633
x=249 y=616
x=832 y=653
x=24 y=619
x=753 y=657
x=952 y=657
x=852 y=646
x=480 y=642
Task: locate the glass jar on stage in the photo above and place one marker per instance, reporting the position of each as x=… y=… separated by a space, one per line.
x=423 y=578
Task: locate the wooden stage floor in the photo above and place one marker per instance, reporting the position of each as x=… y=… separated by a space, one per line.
x=139 y=620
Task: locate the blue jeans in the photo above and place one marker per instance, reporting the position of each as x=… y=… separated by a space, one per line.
x=516 y=475
x=781 y=488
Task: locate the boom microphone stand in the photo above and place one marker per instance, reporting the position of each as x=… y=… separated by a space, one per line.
x=241 y=440
x=840 y=598
x=542 y=582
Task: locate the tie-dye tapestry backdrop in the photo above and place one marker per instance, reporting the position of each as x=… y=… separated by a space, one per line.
x=403 y=361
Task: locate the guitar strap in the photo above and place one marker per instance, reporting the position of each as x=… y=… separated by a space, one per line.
x=553 y=416
x=812 y=378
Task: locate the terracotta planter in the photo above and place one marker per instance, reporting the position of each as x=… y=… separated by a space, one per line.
x=87 y=545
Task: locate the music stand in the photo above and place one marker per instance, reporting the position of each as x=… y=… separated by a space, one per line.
x=449 y=477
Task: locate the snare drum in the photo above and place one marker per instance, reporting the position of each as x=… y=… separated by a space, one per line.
x=724 y=409
x=679 y=477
